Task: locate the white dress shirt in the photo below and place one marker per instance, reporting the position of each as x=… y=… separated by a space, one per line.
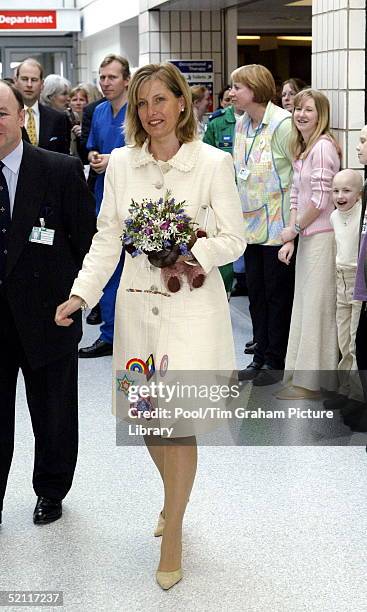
x=11 y=171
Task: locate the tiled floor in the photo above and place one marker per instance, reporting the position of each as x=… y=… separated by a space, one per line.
x=268 y=528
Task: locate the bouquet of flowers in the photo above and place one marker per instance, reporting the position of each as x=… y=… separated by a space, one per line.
x=161 y=229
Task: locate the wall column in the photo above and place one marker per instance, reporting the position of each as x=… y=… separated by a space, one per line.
x=165 y=35
x=230 y=42
x=338 y=68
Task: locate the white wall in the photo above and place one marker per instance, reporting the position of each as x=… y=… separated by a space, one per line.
x=34 y=5
x=129 y=43
x=102 y=14
x=100 y=45
x=338 y=69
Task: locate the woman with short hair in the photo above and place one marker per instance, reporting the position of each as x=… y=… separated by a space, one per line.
x=78 y=101
x=56 y=92
x=264 y=171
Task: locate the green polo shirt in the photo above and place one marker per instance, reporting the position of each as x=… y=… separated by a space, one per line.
x=220 y=130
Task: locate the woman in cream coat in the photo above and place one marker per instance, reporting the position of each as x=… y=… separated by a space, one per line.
x=191 y=329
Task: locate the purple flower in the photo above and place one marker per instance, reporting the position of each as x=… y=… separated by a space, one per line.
x=148 y=231
x=165 y=225
x=183 y=249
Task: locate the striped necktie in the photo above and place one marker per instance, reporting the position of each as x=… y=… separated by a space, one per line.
x=31 y=126
x=5 y=220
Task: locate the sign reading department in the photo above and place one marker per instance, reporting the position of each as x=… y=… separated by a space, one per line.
x=27 y=20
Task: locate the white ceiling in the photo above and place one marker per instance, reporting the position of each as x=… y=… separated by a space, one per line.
x=253 y=15
x=274 y=16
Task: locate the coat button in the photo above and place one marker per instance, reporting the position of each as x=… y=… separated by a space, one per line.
x=155 y=310
x=154 y=288
x=204 y=206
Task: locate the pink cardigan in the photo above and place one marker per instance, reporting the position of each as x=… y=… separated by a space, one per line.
x=312 y=180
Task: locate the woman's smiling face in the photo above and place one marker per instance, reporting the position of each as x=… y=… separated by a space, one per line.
x=158 y=109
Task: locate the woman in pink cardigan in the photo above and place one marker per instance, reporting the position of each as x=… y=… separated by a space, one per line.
x=312 y=347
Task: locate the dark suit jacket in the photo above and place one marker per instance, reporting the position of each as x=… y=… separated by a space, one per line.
x=54 y=132
x=364 y=202
x=39 y=277
x=87 y=120
x=86 y=125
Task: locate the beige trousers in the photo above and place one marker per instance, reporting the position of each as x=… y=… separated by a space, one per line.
x=347 y=319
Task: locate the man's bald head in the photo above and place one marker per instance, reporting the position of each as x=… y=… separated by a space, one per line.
x=11 y=118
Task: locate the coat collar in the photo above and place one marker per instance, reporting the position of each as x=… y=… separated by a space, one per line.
x=184 y=160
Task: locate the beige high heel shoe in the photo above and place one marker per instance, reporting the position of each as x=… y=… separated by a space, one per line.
x=166 y=580
x=160 y=526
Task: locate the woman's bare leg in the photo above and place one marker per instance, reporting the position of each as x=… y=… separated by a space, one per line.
x=180 y=461
x=156 y=451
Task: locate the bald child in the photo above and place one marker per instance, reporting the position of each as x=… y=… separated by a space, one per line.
x=347 y=191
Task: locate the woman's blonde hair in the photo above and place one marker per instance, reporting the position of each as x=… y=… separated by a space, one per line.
x=93 y=92
x=79 y=89
x=135 y=134
x=198 y=92
x=297 y=146
x=257 y=78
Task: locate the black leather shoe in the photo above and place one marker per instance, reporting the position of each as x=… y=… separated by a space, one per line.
x=47 y=510
x=250 y=348
x=250 y=372
x=335 y=403
x=99 y=348
x=352 y=408
x=239 y=291
x=268 y=376
x=94 y=317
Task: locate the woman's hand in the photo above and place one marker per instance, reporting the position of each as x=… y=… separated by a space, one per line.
x=99 y=162
x=288 y=234
x=285 y=252
x=77 y=130
x=63 y=312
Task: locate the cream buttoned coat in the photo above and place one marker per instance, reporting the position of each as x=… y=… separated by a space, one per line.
x=192 y=328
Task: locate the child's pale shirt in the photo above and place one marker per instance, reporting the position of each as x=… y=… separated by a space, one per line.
x=346 y=228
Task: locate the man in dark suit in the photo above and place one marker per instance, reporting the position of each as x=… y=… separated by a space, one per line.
x=47 y=220
x=87 y=122
x=46 y=127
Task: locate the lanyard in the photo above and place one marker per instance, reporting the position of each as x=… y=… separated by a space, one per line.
x=258 y=130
